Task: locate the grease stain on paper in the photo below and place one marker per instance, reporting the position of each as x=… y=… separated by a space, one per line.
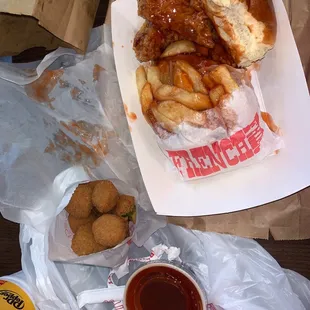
x=131 y=115
x=30 y=72
x=63 y=84
x=268 y=119
x=88 y=141
x=82 y=81
x=96 y=72
x=75 y=93
x=40 y=89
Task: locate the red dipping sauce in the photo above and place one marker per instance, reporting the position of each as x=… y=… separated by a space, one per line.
x=162 y=286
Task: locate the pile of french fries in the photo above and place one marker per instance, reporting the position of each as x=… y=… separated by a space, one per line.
x=173 y=92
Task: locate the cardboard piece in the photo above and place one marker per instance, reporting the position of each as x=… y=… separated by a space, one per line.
x=286 y=219
x=29 y=23
x=299 y=15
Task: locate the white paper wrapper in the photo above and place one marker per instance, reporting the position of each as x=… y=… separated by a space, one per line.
x=60 y=234
x=235 y=136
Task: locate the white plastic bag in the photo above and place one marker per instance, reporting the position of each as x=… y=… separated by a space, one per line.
x=61 y=120
x=54 y=133
x=237 y=273
x=48 y=288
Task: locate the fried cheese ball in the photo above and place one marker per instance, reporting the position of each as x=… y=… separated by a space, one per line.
x=125 y=207
x=110 y=230
x=92 y=184
x=96 y=212
x=105 y=196
x=75 y=223
x=83 y=242
x=80 y=204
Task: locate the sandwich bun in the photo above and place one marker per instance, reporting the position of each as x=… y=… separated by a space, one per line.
x=248 y=27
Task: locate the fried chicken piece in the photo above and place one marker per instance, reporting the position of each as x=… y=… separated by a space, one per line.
x=220 y=55
x=197 y=5
x=178 y=16
x=149 y=42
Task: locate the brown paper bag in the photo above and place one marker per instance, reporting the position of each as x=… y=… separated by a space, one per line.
x=286 y=219
x=45 y=23
x=299 y=15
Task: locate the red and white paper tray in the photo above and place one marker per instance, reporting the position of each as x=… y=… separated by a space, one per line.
x=285 y=95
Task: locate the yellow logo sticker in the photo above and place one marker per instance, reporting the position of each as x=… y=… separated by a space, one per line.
x=13 y=297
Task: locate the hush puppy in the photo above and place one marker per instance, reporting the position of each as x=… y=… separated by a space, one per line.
x=110 y=230
x=80 y=204
x=125 y=207
x=76 y=223
x=105 y=196
x=83 y=242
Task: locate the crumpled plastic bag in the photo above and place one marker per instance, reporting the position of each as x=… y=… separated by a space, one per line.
x=54 y=116
x=58 y=128
x=237 y=273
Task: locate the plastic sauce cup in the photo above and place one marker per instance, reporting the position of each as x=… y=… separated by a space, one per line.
x=14 y=293
x=163 y=286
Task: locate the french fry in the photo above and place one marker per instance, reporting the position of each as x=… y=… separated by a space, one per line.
x=208 y=81
x=221 y=75
x=216 y=93
x=164 y=121
x=182 y=80
x=146 y=98
x=153 y=77
x=140 y=79
x=193 y=75
x=179 y=47
x=194 y=101
x=165 y=72
x=178 y=113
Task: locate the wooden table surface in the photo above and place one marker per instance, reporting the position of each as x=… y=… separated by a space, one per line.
x=293 y=255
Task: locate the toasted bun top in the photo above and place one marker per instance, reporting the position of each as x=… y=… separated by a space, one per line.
x=248 y=27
